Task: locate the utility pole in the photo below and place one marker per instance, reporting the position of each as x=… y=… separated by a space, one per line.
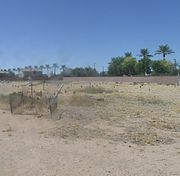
x=175 y=63
x=179 y=75
x=103 y=71
x=94 y=66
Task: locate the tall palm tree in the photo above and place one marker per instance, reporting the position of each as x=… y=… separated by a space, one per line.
x=164 y=50
x=144 y=53
x=30 y=67
x=47 y=68
x=18 y=70
x=62 y=69
x=41 y=67
x=55 y=66
x=14 y=70
x=145 y=61
x=36 y=67
x=128 y=54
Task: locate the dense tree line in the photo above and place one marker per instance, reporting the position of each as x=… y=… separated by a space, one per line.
x=80 y=72
x=129 y=65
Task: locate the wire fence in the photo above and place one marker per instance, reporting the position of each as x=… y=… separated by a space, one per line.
x=28 y=100
x=178 y=77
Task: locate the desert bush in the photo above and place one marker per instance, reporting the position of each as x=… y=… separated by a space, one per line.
x=167 y=125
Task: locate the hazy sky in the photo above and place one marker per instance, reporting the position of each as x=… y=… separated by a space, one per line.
x=84 y=32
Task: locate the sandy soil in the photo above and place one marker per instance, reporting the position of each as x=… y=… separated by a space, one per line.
x=133 y=130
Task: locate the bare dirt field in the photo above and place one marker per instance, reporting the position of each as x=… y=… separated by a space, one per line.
x=100 y=128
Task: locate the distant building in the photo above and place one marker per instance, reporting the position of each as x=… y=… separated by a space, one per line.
x=32 y=73
x=4 y=75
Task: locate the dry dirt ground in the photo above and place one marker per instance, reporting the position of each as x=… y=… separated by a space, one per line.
x=99 y=129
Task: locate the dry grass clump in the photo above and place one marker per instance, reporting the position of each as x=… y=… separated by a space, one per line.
x=167 y=125
x=142 y=99
x=146 y=136
x=95 y=90
x=9 y=129
x=77 y=100
x=75 y=130
x=151 y=100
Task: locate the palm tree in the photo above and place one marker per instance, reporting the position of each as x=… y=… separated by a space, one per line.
x=145 y=62
x=128 y=54
x=55 y=66
x=41 y=67
x=14 y=70
x=164 y=50
x=47 y=68
x=144 y=53
x=63 y=67
x=36 y=67
x=18 y=70
x=30 y=67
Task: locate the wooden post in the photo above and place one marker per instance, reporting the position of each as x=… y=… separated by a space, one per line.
x=10 y=103
x=32 y=100
x=178 y=79
x=44 y=83
x=50 y=106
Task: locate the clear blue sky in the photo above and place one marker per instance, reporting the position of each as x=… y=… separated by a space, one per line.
x=84 y=32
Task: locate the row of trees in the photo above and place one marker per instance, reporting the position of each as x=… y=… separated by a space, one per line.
x=63 y=70
x=83 y=72
x=48 y=69
x=129 y=65
x=118 y=66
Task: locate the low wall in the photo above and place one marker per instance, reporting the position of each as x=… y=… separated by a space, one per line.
x=148 y=79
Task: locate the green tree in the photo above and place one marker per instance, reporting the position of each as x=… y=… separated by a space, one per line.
x=145 y=62
x=164 y=50
x=128 y=54
x=144 y=53
x=162 y=67
x=84 y=72
x=139 y=68
x=128 y=65
x=115 y=67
